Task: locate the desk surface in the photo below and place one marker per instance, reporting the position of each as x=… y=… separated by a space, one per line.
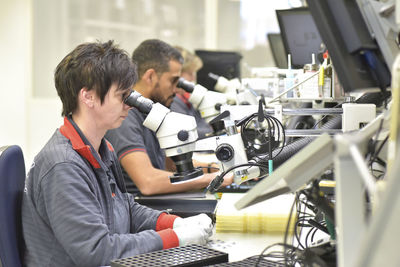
x=242 y=245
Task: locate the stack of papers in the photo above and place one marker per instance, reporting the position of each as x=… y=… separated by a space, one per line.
x=270 y=216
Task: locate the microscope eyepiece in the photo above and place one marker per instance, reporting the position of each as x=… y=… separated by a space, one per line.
x=185 y=85
x=136 y=100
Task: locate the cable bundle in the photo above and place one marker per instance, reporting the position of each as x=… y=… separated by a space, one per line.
x=262 y=134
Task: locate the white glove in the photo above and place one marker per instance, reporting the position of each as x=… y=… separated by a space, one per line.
x=191 y=235
x=202 y=221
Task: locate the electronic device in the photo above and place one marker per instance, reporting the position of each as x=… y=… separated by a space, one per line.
x=223 y=63
x=294 y=173
x=207 y=102
x=300 y=35
x=235 y=92
x=230 y=151
x=278 y=50
x=355 y=55
x=177 y=139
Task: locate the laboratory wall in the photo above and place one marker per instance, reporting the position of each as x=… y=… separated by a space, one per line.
x=15 y=74
x=37 y=34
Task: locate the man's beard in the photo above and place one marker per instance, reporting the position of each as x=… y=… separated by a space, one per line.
x=158 y=98
x=169 y=100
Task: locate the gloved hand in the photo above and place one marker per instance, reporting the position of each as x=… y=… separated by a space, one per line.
x=191 y=235
x=201 y=221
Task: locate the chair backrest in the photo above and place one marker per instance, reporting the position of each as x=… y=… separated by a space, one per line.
x=12 y=179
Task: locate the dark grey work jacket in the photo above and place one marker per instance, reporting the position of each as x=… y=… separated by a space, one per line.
x=75 y=210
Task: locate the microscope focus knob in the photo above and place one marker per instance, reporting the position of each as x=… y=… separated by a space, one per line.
x=224 y=152
x=218 y=106
x=183 y=135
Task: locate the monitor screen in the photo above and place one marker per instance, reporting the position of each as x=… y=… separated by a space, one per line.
x=300 y=35
x=221 y=63
x=355 y=56
x=278 y=50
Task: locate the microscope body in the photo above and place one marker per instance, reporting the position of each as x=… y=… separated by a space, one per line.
x=229 y=87
x=176 y=132
x=208 y=103
x=177 y=135
x=230 y=151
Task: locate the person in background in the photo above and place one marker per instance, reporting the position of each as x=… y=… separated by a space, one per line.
x=75 y=208
x=146 y=167
x=191 y=64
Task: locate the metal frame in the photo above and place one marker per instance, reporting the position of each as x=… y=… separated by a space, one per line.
x=355 y=236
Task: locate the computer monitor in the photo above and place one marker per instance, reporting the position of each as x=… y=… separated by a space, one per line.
x=355 y=55
x=222 y=63
x=300 y=35
x=278 y=50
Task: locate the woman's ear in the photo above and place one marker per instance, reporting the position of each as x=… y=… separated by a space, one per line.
x=87 y=97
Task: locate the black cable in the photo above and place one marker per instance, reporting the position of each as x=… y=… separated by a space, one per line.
x=373 y=149
x=318 y=226
x=302 y=221
x=287 y=230
x=289 y=256
x=323 y=117
x=211 y=168
x=275 y=128
x=270 y=139
x=274 y=254
x=217 y=181
x=307 y=236
x=381 y=146
x=296 y=226
x=313 y=234
x=375 y=154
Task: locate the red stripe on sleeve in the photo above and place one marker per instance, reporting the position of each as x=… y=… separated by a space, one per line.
x=165 y=221
x=131 y=150
x=169 y=238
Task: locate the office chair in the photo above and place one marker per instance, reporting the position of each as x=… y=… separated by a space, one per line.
x=12 y=179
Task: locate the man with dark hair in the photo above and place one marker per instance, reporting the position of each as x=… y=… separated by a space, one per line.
x=75 y=208
x=144 y=162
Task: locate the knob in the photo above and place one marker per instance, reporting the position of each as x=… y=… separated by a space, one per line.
x=183 y=135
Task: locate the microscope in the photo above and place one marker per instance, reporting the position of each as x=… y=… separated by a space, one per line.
x=176 y=133
x=235 y=91
x=229 y=87
x=179 y=140
x=208 y=103
x=231 y=153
